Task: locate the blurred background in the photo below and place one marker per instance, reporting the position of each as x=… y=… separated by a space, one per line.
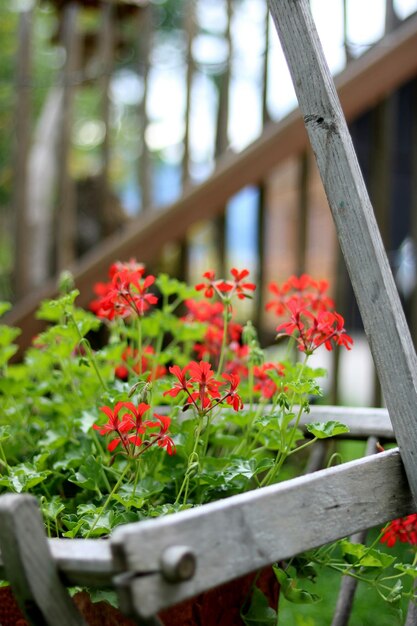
x=167 y=130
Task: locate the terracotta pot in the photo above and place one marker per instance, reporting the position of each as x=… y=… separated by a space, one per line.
x=218 y=607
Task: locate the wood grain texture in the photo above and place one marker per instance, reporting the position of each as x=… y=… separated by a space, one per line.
x=384 y=321
x=30 y=568
x=361 y=85
x=245 y=532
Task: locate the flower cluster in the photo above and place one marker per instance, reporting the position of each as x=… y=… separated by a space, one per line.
x=202 y=389
x=225 y=289
x=403 y=529
x=126 y=294
x=312 y=320
x=129 y=429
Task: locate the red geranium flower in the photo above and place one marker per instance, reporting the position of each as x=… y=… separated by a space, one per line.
x=403 y=529
x=232 y=397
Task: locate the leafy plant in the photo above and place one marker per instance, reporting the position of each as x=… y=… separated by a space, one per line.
x=176 y=408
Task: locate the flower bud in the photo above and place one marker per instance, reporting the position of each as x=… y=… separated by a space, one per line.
x=65 y=282
x=249 y=333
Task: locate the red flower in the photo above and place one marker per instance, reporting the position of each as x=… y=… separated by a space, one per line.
x=208 y=387
x=182 y=385
x=239 y=286
x=208 y=287
x=162 y=438
x=126 y=294
x=132 y=428
x=403 y=529
x=115 y=425
x=229 y=287
x=265 y=384
x=232 y=396
x=312 y=331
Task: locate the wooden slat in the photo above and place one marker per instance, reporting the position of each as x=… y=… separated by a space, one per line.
x=106 y=48
x=80 y=561
x=362 y=422
x=245 y=532
x=361 y=85
x=383 y=318
x=30 y=567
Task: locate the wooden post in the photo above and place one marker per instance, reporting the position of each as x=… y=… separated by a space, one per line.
x=262 y=188
x=23 y=132
x=413 y=207
x=145 y=39
x=30 y=567
x=366 y=260
x=106 y=53
x=222 y=142
x=302 y=224
x=65 y=218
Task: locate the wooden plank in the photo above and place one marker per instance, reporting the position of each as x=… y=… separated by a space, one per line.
x=362 y=422
x=145 y=45
x=30 y=568
x=106 y=54
x=383 y=318
x=245 y=532
x=80 y=561
x=361 y=85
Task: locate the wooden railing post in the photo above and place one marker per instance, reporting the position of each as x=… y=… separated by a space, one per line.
x=20 y=187
x=361 y=244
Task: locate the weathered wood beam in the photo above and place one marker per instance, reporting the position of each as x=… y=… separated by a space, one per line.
x=372 y=280
x=365 y=82
x=232 y=537
x=239 y=534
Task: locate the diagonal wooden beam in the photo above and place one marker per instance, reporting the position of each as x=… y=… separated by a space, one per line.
x=366 y=81
x=372 y=280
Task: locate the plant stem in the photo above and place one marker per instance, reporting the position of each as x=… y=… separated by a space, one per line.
x=191 y=458
x=109 y=497
x=139 y=329
x=83 y=341
x=224 y=339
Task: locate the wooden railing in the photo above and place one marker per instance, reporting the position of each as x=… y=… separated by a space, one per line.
x=363 y=83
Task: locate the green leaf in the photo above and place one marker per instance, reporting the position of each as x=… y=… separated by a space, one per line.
x=259 y=612
x=8 y=334
x=323 y=430
x=4 y=307
x=52 y=508
x=23 y=477
x=89 y=475
x=290 y=591
x=52 y=310
x=358 y=554
x=410 y=570
x=4 y=433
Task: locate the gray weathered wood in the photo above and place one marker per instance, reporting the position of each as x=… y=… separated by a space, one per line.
x=30 y=568
x=363 y=422
x=371 y=277
x=247 y=531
